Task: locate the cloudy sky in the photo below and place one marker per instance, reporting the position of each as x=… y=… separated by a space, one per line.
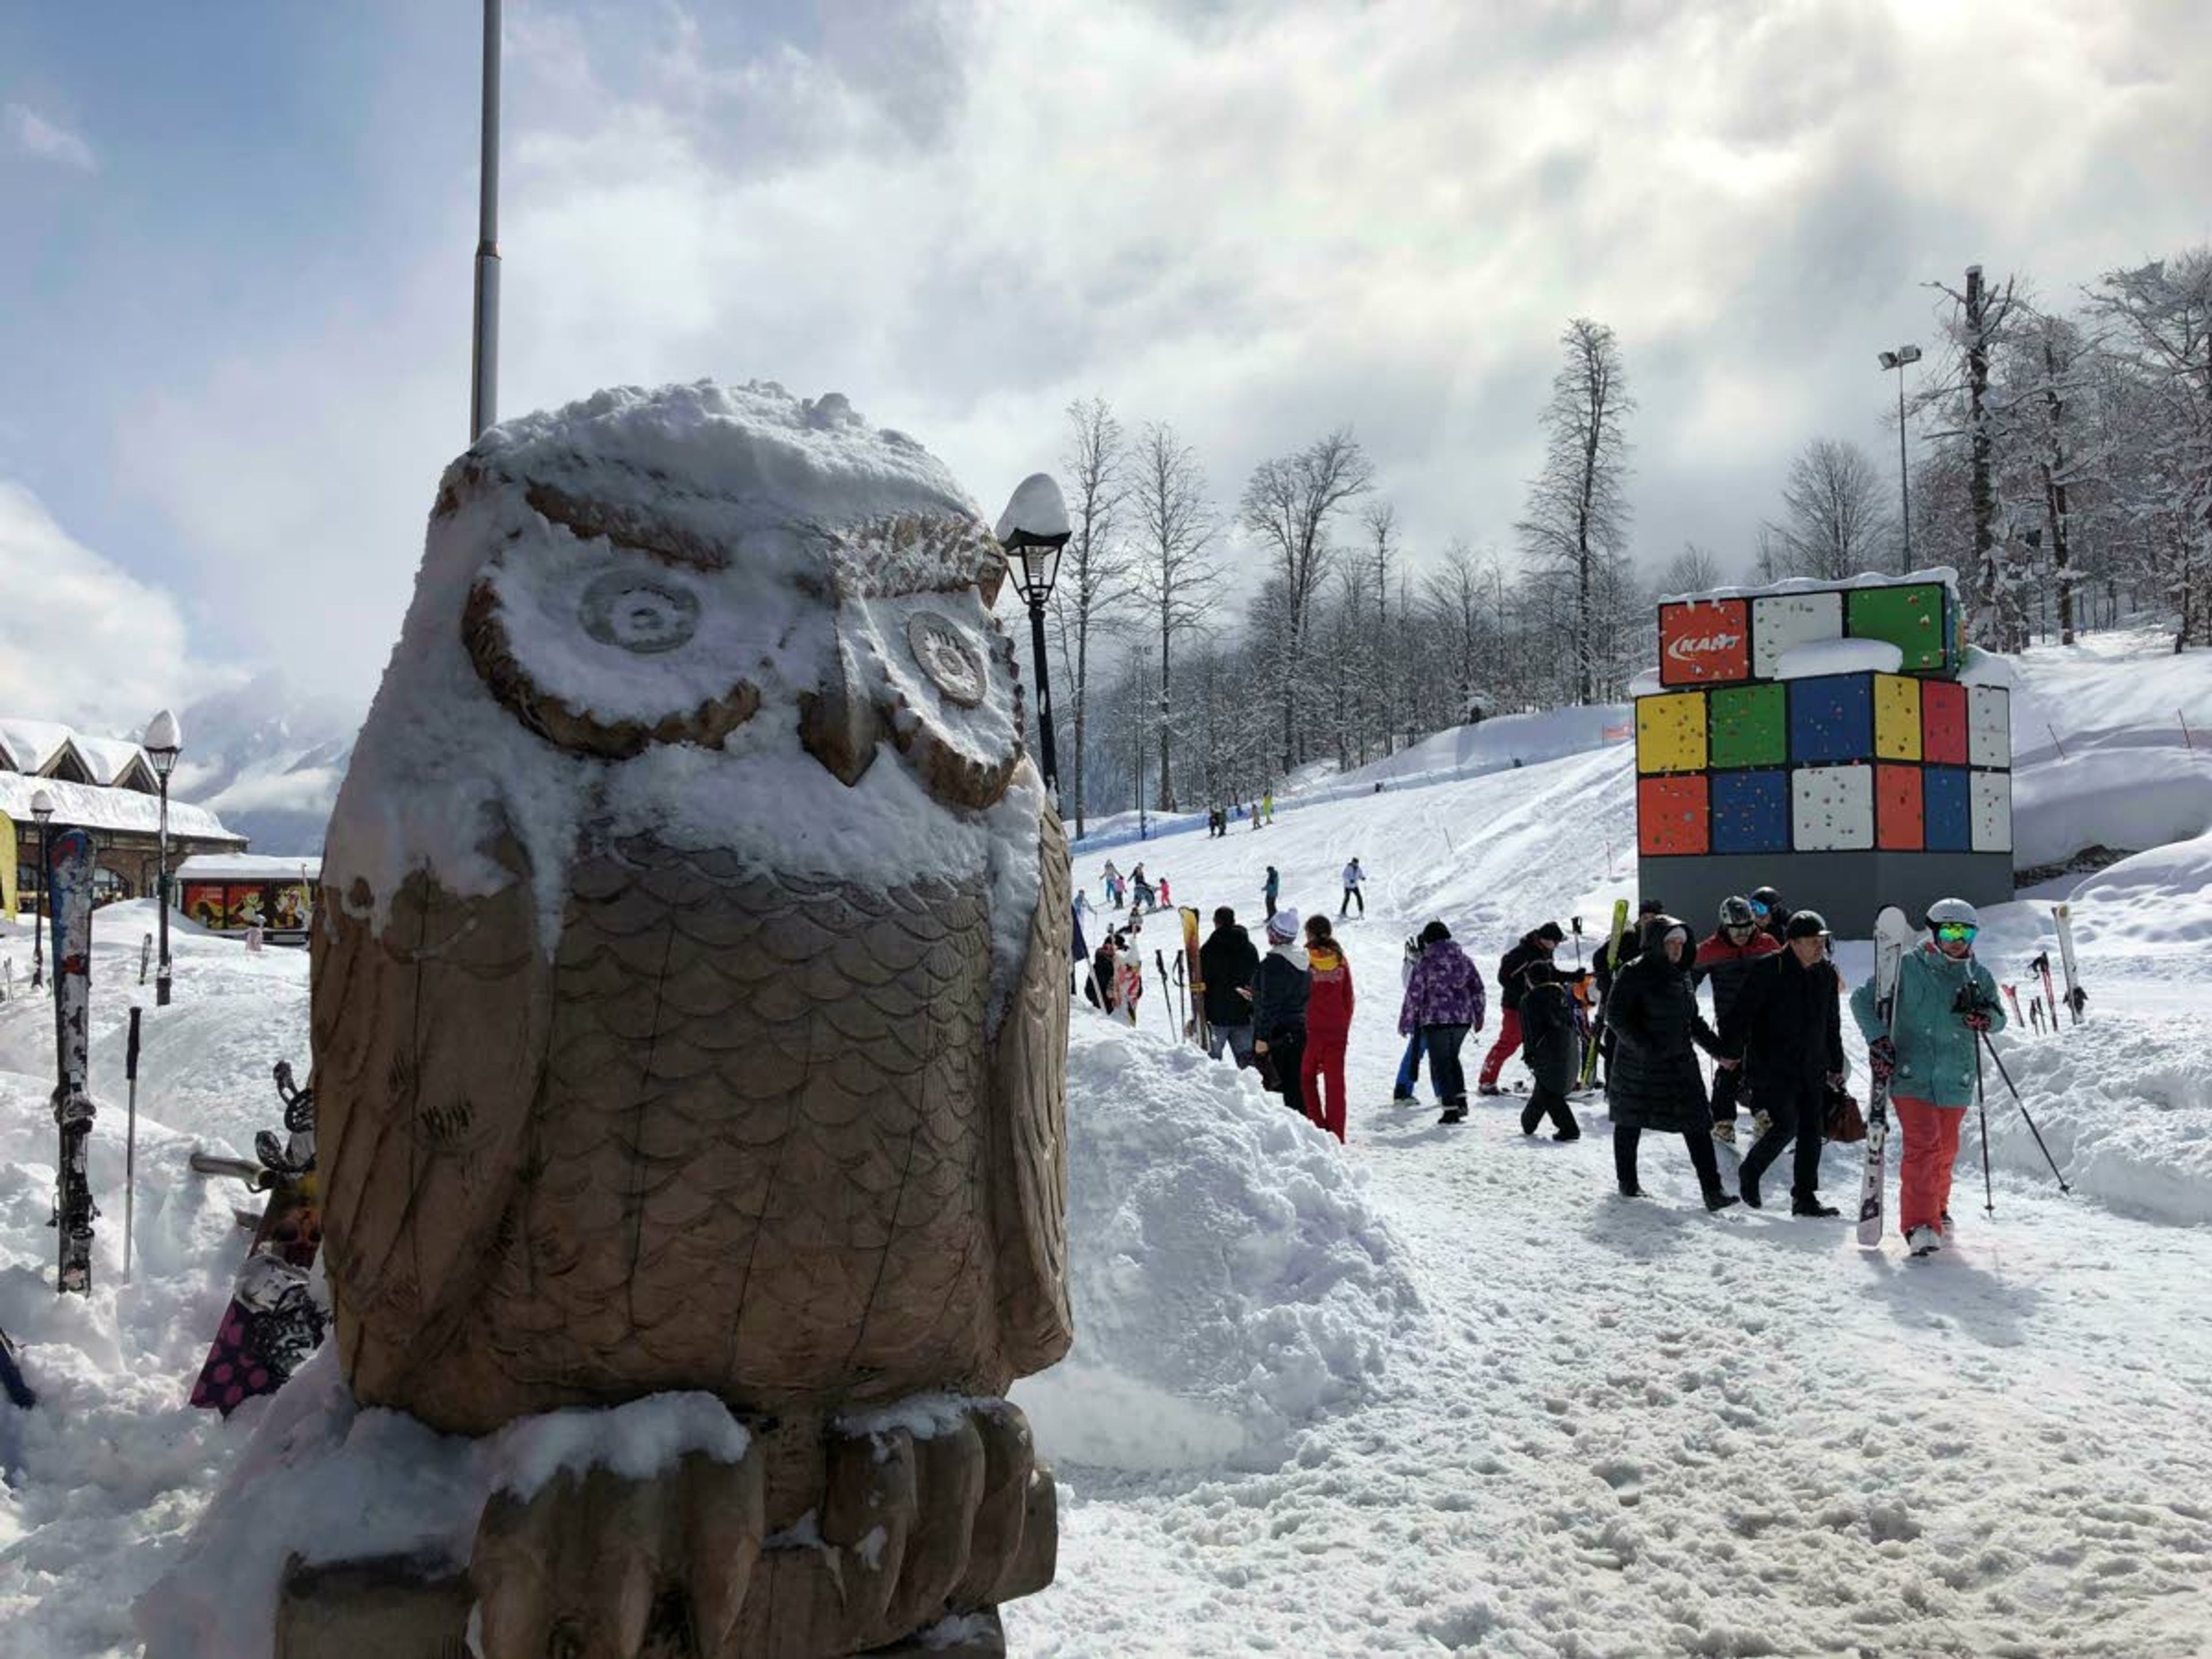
x=234 y=315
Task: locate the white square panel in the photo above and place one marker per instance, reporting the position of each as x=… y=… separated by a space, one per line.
x=1989 y=726
x=1780 y=621
x=1992 y=811
x=1832 y=808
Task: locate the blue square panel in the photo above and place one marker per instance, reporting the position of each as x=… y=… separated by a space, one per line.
x=1751 y=811
x=1947 y=803
x=1831 y=719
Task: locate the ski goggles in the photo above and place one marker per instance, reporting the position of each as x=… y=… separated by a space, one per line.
x=1956 y=933
x=1758 y=909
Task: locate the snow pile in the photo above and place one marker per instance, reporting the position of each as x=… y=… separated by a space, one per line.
x=1819 y=657
x=1232 y=1280
x=1492 y=746
x=2132 y=905
x=2129 y=797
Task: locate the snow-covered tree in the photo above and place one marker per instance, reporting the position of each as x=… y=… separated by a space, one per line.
x=1836 y=520
x=1089 y=598
x=1173 y=526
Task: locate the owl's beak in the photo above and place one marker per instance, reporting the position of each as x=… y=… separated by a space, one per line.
x=839 y=725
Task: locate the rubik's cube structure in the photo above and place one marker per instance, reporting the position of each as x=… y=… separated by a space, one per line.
x=1846 y=791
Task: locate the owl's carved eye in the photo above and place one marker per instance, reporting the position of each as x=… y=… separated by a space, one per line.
x=947 y=659
x=638 y=613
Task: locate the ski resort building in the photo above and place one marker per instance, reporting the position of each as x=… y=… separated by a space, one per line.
x=1825 y=739
x=105 y=784
x=231 y=892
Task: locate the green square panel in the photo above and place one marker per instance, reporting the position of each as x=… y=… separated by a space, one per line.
x=1911 y=618
x=1750 y=726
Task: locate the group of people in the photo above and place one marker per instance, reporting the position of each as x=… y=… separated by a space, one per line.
x=1133 y=891
x=1262 y=812
x=1287 y=1014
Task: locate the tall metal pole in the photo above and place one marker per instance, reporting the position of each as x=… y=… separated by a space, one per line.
x=161 y=973
x=483 y=377
x=1044 y=701
x=39 y=916
x=1904 y=477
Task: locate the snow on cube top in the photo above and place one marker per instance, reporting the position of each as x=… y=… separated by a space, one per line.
x=1939 y=572
x=1819 y=657
x=624 y=609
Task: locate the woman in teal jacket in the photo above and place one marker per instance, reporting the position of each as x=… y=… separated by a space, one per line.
x=1928 y=1054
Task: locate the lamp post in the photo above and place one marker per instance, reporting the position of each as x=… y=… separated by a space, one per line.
x=1033 y=531
x=484 y=365
x=1896 y=360
x=42 y=809
x=165 y=740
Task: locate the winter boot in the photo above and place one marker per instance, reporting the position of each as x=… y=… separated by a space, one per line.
x=1567 y=1134
x=1716 y=1199
x=1760 y=1124
x=1455 y=1111
x=1530 y=1117
x=1399 y=1095
x=1634 y=1192
x=1814 y=1207
x=1924 y=1240
x=1750 y=1192
x=1488 y=1089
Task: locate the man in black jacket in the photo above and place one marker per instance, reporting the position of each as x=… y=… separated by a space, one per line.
x=1787 y=1029
x=1535 y=946
x=1279 y=986
x=1226 y=962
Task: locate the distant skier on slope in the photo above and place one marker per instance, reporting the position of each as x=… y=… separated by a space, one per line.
x=1554 y=1051
x=1537 y=946
x=1328 y=1026
x=1278 y=1010
x=1443 y=1002
x=1787 y=1031
x=1354 y=875
x=1945 y=1001
x=1271 y=890
x=1653 y=1082
x=1725 y=956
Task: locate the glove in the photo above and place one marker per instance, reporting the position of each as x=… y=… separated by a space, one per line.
x=1977 y=1022
x=1259 y=1047
x=1881 y=1058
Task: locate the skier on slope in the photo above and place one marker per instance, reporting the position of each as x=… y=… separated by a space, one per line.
x=1278 y=1010
x=1328 y=1026
x=1226 y=962
x=1946 y=1000
x=1653 y=1082
x=1554 y=1051
x=1443 y=1002
x=1352 y=877
x=1112 y=884
x=1724 y=957
x=1537 y=946
x=1786 y=1029
x=1409 y=1068
x=1140 y=890
x=1272 y=889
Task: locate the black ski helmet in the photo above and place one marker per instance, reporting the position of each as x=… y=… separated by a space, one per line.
x=1735 y=912
x=1769 y=897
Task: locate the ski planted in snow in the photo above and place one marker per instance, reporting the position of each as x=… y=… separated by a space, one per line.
x=2042 y=966
x=1613 y=966
x=1892 y=937
x=1197 y=1028
x=11 y=1377
x=274 y=1323
x=68 y=878
x=2075 y=996
x=2012 y=995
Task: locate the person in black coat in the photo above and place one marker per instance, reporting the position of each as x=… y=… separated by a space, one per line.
x=1279 y=987
x=1786 y=1026
x=1536 y=945
x=1609 y=960
x=1553 y=1050
x=1654 y=1082
x=1226 y=962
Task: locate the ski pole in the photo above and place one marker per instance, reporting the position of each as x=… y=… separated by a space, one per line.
x=2022 y=1104
x=130 y=1139
x=1989 y=1189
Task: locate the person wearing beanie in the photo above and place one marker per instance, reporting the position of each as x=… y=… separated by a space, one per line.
x=1535 y=946
x=1278 y=1010
x=1655 y=1083
x=1328 y=1026
x=1226 y=962
x=1555 y=1049
x=1786 y=1027
x=1443 y=1002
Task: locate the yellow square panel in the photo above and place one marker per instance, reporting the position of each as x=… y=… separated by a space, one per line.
x=1896 y=717
x=1670 y=733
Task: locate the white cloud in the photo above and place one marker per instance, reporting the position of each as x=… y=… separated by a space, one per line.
x=36 y=135
x=85 y=642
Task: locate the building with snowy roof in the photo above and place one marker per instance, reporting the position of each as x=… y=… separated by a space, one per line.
x=108 y=786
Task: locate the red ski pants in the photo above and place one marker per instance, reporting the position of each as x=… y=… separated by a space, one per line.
x=1508 y=1044
x=1931 y=1145
x=1324 y=1060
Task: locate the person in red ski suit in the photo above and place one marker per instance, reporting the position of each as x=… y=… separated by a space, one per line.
x=1328 y=1026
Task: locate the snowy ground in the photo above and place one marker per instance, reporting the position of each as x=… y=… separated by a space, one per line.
x=1438 y=1392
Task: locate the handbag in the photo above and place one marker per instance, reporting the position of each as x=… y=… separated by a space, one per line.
x=1845 y=1120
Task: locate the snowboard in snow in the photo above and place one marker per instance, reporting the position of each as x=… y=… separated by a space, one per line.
x=1198 y=1033
x=273 y=1324
x=69 y=876
x=1612 y=965
x=1892 y=937
x=2075 y=996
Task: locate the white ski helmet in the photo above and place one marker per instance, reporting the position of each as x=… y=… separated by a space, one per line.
x=1953 y=910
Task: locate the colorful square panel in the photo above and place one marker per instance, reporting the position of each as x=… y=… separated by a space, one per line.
x=1990 y=797
x=1943 y=723
x=1897 y=826
x=1989 y=726
x=1750 y=725
x=1831 y=719
x=1670 y=733
x=1751 y=811
x=1896 y=717
x=1671 y=816
x=1779 y=621
x=1832 y=808
x=1705 y=642
x=1946 y=809
x=1910 y=617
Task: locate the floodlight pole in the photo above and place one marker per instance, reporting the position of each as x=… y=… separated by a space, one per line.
x=1898 y=360
x=483 y=376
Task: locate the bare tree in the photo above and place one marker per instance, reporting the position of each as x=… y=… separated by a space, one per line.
x=1693 y=570
x=1094 y=572
x=1577 y=519
x=1287 y=506
x=1382 y=521
x=1835 y=514
x=1175 y=525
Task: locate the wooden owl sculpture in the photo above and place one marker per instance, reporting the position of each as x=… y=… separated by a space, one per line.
x=690 y=1014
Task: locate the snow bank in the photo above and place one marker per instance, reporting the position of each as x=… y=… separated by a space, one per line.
x=2132 y=797
x=1231 y=1280
x=2146 y=901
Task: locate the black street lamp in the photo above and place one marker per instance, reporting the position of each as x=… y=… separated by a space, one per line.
x=165 y=740
x=42 y=809
x=1896 y=360
x=1033 y=530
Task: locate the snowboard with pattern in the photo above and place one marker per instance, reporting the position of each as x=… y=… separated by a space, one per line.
x=69 y=864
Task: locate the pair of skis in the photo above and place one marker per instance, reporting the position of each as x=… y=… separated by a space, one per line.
x=2076 y=998
x=1613 y=966
x=1195 y=1027
x=1892 y=937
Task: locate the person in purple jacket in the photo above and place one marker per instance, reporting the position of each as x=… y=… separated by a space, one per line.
x=1443 y=1002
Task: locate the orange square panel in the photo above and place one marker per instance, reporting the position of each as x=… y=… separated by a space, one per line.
x=1705 y=642
x=1672 y=816
x=1899 y=821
